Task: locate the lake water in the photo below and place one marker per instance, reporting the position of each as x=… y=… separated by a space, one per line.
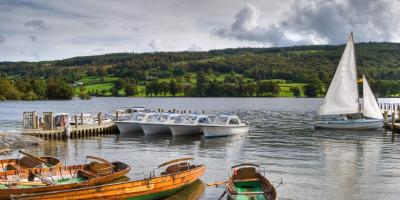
x=314 y=164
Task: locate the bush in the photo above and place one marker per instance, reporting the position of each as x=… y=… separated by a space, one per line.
x=2 y=98
x=58 y=89
x=29 y=96
x=84 y=96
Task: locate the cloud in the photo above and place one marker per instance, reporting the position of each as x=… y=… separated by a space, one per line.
x=156 y=45
x=2 y=38
x=319 y=21
x=33 y=38
x=194 y=47
x=37 y=24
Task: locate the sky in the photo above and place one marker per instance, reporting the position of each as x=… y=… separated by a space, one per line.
x=57 y=29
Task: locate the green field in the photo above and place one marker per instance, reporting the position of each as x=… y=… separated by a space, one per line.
x=94 y=83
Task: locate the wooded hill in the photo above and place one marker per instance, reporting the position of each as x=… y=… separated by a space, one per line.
x=228 y=71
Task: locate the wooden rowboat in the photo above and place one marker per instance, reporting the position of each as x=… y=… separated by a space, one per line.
x=22 y=165
x=247 y=183
x=177 y=174
x=39 y=180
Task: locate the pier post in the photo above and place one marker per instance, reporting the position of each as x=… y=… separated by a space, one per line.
x=81 y=118
x=393 y=120
x=99 y=117
x=385 y=117
x=117 y=115
x=76 y=121
x=398 y=111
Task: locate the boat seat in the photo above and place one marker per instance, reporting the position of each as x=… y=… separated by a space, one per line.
x=246 y=173
x=246 y=180
x=99 y=168
x=87 y=173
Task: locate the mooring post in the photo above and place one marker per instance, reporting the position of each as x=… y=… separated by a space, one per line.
x=34 y=125
x=398 y=111
x=99 y=117
x=385 y=117
x=117 y=115
x=393 y=120
x=76 y=121
x=81 y=118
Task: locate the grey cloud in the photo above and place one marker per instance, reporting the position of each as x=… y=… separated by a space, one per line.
x=194 y=47
x=156 y=45
x=318 y=21
x=96 y=25
x=2 y=39
x=33 y=38
x=37 y=24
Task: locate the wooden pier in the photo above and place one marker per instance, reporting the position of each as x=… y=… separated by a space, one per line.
x=47 y=129
x=392 y=109
x=82 y=131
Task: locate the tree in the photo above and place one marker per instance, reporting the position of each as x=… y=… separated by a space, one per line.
x=58 y=89
x=130 y=90
x=173 y=89
x=296 y=91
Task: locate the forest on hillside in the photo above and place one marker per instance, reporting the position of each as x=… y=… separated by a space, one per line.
x=288 y=71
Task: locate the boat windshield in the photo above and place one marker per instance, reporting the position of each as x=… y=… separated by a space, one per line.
x=138 y=117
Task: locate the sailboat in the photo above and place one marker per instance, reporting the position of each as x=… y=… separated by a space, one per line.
x=341 y=108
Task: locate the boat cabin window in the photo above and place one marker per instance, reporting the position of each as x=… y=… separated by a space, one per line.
x=234 y=121
x=139 y=117
x=202 y=120
x=221 y=120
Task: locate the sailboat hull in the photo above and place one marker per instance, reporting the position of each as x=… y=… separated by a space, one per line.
x=359 y=124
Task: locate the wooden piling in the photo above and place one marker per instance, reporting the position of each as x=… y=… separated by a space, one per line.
x=81 y=118
x=385 y=117
x=393 y=120
x=76 y=121
x=117 y=115
x=99 y=118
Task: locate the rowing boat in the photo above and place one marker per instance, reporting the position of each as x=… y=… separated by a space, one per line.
x=247 y=183
x=175 y=175
x=38 y=180
x=9 y=167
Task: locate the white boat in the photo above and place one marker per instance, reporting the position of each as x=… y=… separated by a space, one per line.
x=187 y=124
x=86 y=119
x=224 y=125
x=341 y=108
x=124 y=114
x=157 y=123
x=133 y=125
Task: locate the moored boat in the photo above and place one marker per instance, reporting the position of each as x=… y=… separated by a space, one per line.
x=177 y=174
x=157 y=123
x=62 y=177
x=224 y=125
x=133 y=125
x=124 y=114
x=187 y=124
x=247 y=182
x=15 y=166
x=341 y=108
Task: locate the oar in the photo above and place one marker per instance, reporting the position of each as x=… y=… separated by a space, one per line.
x=216 y=183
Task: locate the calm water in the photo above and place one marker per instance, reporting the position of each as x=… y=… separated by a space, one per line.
x=314 y=164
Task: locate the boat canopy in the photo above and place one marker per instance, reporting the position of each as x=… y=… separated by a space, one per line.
x=342 y=96
x=370 y=106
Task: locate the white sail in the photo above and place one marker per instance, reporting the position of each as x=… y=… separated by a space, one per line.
x=371 y=108
x=342 y=96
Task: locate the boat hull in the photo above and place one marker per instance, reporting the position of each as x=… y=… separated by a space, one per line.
x=362 y=124
x=153 y=129
x=8 y=193
x=149 y=189
x=220 y=131
x=184 y=129
x=127 y=126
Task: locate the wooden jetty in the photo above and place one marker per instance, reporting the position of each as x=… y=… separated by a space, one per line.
x=48 y=130
x=392 y=109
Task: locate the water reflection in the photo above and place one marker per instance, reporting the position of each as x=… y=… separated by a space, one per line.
x=314 y=164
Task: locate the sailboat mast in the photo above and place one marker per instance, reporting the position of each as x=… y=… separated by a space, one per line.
x=355 y=64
